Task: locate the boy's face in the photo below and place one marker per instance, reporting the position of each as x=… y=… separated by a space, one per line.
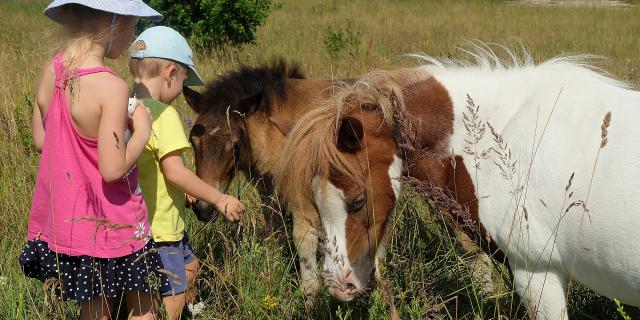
x=174 y=86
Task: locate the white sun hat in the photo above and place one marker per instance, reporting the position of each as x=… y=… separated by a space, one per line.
x=166 y=43
x=135 y=8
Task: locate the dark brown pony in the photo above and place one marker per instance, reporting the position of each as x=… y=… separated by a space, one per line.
x=241 y=125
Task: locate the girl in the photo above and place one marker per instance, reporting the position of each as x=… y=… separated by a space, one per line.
x=88 y=228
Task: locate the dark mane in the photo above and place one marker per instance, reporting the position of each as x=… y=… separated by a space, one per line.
x=249 y=89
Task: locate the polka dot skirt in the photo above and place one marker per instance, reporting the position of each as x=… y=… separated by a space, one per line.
x=82 y=278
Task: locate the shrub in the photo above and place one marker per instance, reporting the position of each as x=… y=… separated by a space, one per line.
x=347 y=38
x=214 y=22
x=334 y=42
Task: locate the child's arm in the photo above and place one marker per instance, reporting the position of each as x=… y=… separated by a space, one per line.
x=115 y=157
x=37 y=129
x=183 y=178
x=43 y=94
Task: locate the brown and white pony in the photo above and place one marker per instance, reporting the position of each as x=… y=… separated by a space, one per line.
x=241 y=122
x=554 y=185
x=353 y=147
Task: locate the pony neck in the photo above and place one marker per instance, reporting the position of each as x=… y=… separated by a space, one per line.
x=266 y=131
x=303 y=95
x=485 y=97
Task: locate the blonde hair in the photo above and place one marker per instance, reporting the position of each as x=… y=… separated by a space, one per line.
x=311 y=146
x=85 y=27
x=149 y=67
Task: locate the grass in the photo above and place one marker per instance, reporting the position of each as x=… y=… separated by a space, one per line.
x=249 y=268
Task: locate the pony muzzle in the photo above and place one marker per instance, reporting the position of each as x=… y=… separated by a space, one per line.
x=344 y=287
x=204 y=211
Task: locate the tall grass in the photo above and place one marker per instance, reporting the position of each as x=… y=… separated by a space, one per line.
x=249 y=268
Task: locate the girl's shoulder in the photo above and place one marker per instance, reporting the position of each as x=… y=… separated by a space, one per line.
x=46 y=84
x=106 y=80
x=105 y=85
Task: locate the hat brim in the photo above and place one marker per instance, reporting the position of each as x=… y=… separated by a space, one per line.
x=125 y=8
x=193 y=78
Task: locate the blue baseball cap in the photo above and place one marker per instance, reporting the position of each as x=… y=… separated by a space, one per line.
x=166 y=43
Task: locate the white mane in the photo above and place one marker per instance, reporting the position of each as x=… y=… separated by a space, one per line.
x=481 y=57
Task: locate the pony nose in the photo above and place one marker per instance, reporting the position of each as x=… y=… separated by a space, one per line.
x=203 y=210
x=347 y=287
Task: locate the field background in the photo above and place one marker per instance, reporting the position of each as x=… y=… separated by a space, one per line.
x=249 y=268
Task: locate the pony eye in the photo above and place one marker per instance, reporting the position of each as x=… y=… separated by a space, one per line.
x=197 y=130
x=357 y=203
x=236 y=149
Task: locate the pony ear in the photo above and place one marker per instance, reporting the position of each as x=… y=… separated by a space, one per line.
x=193 y=98
x=249 y=105
x=350 y=135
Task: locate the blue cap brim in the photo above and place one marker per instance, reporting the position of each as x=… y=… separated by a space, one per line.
x=193 y=79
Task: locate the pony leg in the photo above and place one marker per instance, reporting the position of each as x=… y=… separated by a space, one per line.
x=482 y=273
x=306 y=241
x=481 y=266
x=544 y=292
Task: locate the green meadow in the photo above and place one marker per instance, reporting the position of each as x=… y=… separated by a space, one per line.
x=249 y=268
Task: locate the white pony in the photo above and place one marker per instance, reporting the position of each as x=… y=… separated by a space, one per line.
x=566 y=205
x=552 y=151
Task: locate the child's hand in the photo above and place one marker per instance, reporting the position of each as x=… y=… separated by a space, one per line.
x=230 y=206
x=141 y=118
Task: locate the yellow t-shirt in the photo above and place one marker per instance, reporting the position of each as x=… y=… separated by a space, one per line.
x=165 y=202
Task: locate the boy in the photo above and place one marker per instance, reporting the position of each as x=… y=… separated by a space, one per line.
x=161 y=64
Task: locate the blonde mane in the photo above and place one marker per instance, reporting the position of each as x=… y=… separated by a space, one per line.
x=311 y=145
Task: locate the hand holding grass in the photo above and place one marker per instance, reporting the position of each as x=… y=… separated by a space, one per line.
x=230 y=206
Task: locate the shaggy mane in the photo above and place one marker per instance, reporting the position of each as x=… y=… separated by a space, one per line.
x=234 y=86
x=311 y=145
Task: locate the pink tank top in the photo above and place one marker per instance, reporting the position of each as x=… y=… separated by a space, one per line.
x=74 y=210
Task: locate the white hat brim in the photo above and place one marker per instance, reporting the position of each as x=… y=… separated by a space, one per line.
x=120 y=7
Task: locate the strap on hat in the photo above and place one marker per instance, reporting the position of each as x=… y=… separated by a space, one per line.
x=113 y=22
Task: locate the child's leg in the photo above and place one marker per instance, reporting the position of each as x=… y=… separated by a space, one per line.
x=140 y=305
x=176 y=303
x=192 y=268
x=181 y=266
x=98 y=308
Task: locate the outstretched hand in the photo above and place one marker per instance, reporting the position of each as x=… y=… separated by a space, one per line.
x=231 y=207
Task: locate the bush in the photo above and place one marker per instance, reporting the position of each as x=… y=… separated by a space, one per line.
x=214 y=22
x=347 y=38
x=334 y=42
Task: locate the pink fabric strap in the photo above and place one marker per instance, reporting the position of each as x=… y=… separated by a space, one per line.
x=62 y=77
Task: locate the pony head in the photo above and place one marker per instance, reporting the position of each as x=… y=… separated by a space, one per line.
x=355 y=207
x=218 y=135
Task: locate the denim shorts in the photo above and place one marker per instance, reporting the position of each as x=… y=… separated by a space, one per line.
x=175 y=255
